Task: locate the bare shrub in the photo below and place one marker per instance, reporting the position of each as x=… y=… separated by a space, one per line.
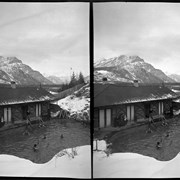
x=64 y=152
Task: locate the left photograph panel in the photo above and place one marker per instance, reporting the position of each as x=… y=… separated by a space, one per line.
x=44 y=90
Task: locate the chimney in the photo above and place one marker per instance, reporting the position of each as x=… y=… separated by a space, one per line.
x=13 y=84
x=136 y=84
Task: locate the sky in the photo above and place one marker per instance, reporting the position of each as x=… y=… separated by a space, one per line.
x=148 y=30
x=52 y=38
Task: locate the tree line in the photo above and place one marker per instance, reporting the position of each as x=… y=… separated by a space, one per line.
x=74 y=80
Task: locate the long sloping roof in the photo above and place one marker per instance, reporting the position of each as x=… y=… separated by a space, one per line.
x=20 y=95
x=114 y=94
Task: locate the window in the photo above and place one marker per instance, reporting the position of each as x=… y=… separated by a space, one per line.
x=38 y=109
x=108 y=117
x=7 y=114
x=101 y=118
x=130 y=112
x=161 y=108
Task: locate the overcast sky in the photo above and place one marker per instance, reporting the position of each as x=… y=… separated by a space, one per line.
x=50 y=37
x=149 y=30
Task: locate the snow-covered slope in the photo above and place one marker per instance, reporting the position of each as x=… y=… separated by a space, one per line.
x=128 y=68
x=175 y=77
x=78 y=103
x=12 y=69
x=56 y=79
x=132 y=165
x=67 y=163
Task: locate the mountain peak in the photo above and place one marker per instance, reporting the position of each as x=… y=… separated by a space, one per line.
x=130 y=67
x=118 y=61
x=12 y=69
x=9 y=60
x=136 y=58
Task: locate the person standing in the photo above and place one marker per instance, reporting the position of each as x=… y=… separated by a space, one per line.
x=28 y=123
x=2 y=122
x=150 y=120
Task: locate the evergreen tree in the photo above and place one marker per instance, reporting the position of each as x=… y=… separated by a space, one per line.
x=73 y=80
x=81 y=78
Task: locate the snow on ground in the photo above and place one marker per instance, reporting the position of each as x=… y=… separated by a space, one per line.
x=103 y=71
x=73 y=104
x=100 y=74
x=62 y=166
x=132 y=165
x=15 y=166
x=78 y=103
x=52 y=92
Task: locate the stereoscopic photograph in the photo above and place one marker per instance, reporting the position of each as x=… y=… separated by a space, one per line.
x=136 y=90
x=44 y=90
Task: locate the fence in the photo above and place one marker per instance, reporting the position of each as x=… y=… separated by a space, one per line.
x=67 y=92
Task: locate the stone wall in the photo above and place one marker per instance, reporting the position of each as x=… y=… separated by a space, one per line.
x=116 y=112
x=44 y=108
x=1 y=111
x=32 y=109
x=167 y=105
x=16 y=113
x=155 y=107
x=17 y=110
x=139 y=112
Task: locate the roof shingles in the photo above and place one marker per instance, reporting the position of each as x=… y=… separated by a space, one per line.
x=114 y=94
x=20 y=95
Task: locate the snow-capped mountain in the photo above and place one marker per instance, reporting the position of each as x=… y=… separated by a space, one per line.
x=175 y=77
x=12 y=69
x=56 y=79
x=128 y=68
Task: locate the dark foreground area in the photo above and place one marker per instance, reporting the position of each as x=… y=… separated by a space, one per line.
x=138 y=141
x=55 y=136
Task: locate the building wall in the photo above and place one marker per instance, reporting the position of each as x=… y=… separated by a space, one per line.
x=32 y=109
x=1 y=111
x=155 y=106
x=96 y=118
x=140 y=111
x=17 y=111
x=117 y=111
x=167 y=105
x=44 y=108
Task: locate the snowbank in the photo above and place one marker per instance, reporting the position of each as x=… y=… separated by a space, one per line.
x=52 y=92
x=74 y=104
x=53 y=115
x=132 y=165
x=78 y=103
x=61 y=165
x=99 y=145
x=15 y=166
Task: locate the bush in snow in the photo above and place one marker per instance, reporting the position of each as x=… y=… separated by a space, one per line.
x=108 y=149
x=71 y=153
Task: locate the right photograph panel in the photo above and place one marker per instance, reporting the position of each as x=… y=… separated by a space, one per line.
x=136 y=90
